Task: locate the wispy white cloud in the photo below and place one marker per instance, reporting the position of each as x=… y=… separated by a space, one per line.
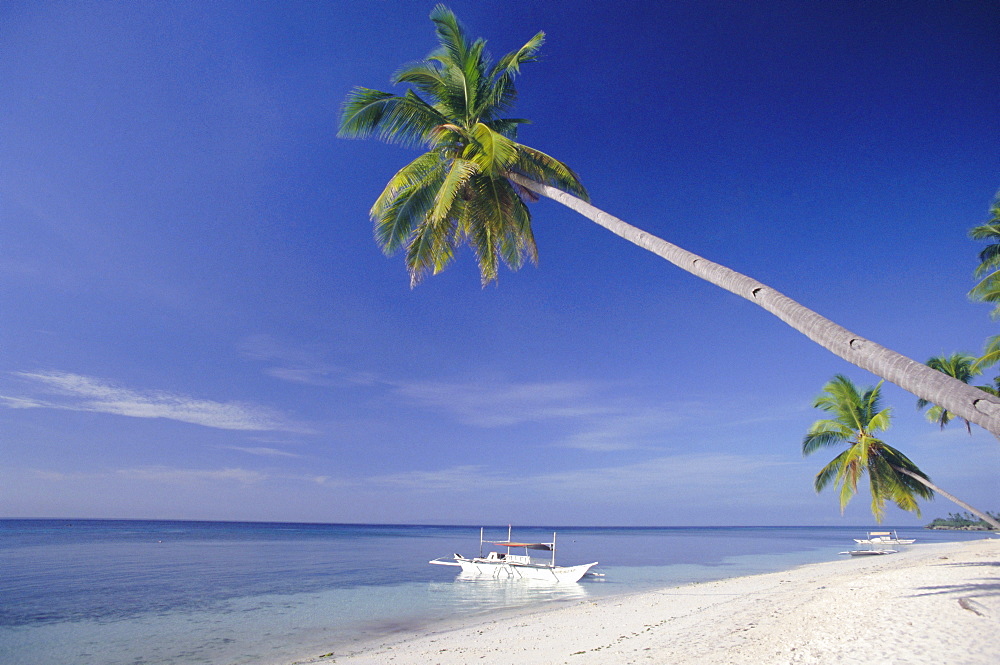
x=74 y=392
x=692 y=473
x=460 y=478
x=593 y=416
x=158 y=474
x=187 y=476
x=497 y=404
x=632 y=427
x=263 y=451
x=301 y=365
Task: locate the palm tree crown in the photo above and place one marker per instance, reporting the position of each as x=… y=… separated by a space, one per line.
x=961 y=366
x=858 y=417
x=988 y=271
x=459 y=191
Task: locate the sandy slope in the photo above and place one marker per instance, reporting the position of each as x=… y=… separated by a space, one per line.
x=937 y=603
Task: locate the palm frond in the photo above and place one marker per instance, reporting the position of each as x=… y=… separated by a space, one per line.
x=880 y=421
x=823 y=434
x=830 y=471
x=451 y=35
x=506 y=126
x=847 y=479
x=412 y=175
x=423 y=75
x=492 y=152
x=538 y=166
x=989 y=258
x=989 y=231
x=499 y=212
x=496 y=96
x=939 y=416
x=501 y=94
x=406 y=120
x=511 y=63
x=991 y=353
x=879 y=493
x=897 y=459
x=988 y=290
x=458 y=176
x=427 y=252
x=517 y=242
x=406 y=212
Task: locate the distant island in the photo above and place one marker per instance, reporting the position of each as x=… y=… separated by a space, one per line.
x=962 y=522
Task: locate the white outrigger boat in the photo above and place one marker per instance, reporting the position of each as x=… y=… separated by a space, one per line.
x=878 y=542
x=884 y=538
x=505 y=565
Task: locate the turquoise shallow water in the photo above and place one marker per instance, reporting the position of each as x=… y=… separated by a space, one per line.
x=167 y=593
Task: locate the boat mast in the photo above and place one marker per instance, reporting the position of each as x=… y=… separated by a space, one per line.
x=553 y=549
x=508 y=538
x=480 y=542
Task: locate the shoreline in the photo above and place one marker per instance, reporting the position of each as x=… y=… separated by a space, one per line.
x=936 y=602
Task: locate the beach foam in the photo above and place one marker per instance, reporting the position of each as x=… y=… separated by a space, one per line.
x=935 y=603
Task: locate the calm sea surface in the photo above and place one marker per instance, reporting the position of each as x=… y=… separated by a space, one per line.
x=96 y=592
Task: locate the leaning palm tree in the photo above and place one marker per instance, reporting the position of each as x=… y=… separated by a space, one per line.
x=961 y=366
x=857 y=418
x=472 y=184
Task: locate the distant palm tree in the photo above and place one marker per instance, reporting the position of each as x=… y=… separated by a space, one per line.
x=961 y=366
x=988 y=288
x=858 y=416
x=471 y=186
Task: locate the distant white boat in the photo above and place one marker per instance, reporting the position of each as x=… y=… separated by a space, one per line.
x=878 y=542
x=506 y=565
x=884 y=538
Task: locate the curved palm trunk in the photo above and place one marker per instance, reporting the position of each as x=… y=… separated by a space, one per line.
x=981 y=515
x=936 y=387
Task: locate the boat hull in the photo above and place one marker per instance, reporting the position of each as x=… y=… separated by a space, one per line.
x=869 y=552
x=885 y=541
x=503 y=570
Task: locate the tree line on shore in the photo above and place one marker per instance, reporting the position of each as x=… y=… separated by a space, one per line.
x=962 y=521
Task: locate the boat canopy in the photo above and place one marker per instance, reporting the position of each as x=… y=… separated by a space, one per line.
x=531 y=546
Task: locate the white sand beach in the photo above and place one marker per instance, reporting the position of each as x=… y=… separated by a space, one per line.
x=934 y=603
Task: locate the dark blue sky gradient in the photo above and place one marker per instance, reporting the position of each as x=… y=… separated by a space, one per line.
x=196 y=323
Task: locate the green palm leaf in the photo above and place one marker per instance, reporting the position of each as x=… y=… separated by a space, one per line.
x=406 y=120
x=830 y=471
x=454 y=183
x=491 y=151
x=991 y=354
x=406 y=200
x=961 y=366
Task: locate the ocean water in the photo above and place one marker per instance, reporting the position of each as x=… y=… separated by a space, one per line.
x=109 y=592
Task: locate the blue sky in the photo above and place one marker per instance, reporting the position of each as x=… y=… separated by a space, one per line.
x=196 y=323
